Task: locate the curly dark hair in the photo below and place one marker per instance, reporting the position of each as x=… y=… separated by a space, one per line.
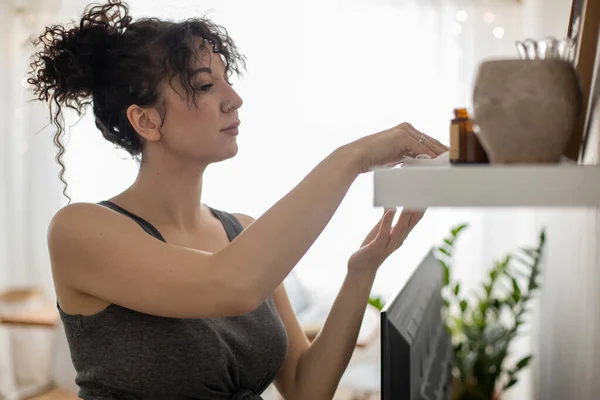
x=111 y=62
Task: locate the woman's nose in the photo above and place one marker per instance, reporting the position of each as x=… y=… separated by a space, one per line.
x=236 y=103
x=235 y=100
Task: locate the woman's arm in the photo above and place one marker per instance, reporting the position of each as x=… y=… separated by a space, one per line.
x=97 y=252
x=319 y=368
x=314 y=372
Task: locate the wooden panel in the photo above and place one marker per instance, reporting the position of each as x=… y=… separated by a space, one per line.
x=46 y=317
x=584 y=22
x=55 y=394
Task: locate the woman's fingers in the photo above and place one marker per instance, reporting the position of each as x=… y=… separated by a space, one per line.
x=375 y=230
x=434 y=144
x=399 y=231
x=434 y=147
x=416 y=216
x=385 y=227
x=418 y=146
x=406 y=222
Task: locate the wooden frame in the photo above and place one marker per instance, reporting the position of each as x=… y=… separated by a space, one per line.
x=590 y=147
x=584 y=24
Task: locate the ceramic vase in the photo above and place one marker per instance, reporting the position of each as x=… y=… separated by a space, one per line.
x=526 y=109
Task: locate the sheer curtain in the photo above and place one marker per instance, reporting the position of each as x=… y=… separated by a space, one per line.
x=30 y=192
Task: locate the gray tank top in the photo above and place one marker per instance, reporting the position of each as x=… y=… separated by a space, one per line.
x=119 y=353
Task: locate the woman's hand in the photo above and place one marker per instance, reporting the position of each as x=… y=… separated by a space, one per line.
x=383 y=240
x=389 y=147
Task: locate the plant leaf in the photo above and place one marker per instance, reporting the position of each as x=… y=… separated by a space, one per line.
x=530 y=251
x=443 y=250
x=483 y=306
x=487 y=289
x=516 y=295
x=504 y=263
x=521 y=260
x=522 y=363
x=511 y=383
x=533 y=285
x=446 y=275
x=376 y=302
x=456 y=289
x=463 y=305
x=542 y=237
x=516 y=272
x=458 y=229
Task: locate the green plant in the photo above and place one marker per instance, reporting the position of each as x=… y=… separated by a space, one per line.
x=483 y=325
x=376 y=302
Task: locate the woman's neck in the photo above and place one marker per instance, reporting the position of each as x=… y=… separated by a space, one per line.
x=170 y=196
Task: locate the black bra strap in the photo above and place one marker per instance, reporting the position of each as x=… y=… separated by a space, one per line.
x=232 y=226
x=147 y=226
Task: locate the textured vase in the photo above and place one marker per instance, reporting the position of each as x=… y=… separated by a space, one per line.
x=526 y=109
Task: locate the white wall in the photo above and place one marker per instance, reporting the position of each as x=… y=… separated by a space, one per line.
x=568 y=327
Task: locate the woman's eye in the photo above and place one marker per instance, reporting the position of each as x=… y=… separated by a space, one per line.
x=205 y=88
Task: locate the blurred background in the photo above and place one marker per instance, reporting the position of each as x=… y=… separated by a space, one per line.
x=320 y=73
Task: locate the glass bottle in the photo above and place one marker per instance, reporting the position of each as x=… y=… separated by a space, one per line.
x=465 y=147
x=457 y=133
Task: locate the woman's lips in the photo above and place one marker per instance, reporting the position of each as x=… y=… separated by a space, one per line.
x=231 y=131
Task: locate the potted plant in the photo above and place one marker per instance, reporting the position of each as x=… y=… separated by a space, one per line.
x=483 y=325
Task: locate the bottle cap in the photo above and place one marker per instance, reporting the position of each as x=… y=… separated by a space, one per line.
x=461 y=113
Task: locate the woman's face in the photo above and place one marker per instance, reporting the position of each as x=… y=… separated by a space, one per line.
x=199 y=132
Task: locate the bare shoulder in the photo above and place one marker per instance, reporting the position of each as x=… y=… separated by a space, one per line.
x=80 y=227
x=71 y=219
x=79 y=232
x=77 y=220
x=244 y=219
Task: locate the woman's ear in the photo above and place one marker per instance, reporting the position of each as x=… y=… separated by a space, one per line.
x=145 y=121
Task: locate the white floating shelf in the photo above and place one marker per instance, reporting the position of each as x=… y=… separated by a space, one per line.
x=548 y=185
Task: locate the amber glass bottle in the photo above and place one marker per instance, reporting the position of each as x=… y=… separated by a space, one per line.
x=457 y=133
x=465 y=147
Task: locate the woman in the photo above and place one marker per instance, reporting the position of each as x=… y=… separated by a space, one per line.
x=161 y=296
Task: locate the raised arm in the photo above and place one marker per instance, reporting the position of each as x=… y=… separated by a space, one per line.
x=97 y=252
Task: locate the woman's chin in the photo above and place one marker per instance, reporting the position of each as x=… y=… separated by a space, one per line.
x=230 y=151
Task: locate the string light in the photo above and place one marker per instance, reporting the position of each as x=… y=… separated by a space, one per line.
x=457 y=28
x=489 y=17
x=498 y=32
x=461 y=16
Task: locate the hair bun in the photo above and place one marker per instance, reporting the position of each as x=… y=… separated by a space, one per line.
x=72 y=61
